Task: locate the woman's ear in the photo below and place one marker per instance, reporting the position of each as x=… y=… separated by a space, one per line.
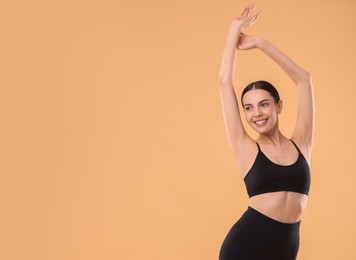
x=279 y=106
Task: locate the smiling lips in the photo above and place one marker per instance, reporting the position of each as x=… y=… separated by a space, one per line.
x=261 y=122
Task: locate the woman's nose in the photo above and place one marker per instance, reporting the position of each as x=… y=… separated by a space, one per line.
x=258 y=113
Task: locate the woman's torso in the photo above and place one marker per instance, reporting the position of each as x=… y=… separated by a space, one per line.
x=283 y=206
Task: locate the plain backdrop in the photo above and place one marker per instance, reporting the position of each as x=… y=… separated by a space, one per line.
x=112 y=137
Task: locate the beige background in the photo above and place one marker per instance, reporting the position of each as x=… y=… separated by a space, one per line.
x=112 y=137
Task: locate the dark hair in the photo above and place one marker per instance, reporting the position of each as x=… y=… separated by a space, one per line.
x=264 y=85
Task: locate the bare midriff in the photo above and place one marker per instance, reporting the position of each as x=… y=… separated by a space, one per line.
x=283 y=206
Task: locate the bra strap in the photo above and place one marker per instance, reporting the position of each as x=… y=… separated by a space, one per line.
x=295 y=145
x=259 y=148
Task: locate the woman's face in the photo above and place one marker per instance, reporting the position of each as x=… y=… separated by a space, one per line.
x=261 y=111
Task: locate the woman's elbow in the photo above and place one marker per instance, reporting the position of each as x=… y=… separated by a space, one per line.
x=304 y=77
x=307 y=76
x=224 y=81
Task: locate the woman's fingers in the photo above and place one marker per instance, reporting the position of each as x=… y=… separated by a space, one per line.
x=247 y=11
x=247 y=15
x=252 y=7
x=244 y=11
x=250 y=10
x=255 y=17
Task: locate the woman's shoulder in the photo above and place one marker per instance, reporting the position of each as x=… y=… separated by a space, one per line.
x=304 y=147
x=246 y=155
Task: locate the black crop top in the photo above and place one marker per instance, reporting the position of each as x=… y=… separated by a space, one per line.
x=267 y=176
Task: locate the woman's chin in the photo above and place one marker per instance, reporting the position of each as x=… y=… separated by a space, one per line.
x=261 y=130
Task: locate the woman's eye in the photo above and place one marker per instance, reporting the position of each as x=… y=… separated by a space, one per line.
x=264 y=104
x=247 y=108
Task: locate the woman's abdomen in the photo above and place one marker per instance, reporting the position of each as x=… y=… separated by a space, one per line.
x=283 y=206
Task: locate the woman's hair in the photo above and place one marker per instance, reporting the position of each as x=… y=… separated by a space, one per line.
x=264 y=85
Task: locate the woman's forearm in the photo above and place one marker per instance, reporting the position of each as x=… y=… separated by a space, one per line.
x=228 y=62
x=293 y=70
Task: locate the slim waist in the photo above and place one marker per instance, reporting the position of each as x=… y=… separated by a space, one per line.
x=270 y=221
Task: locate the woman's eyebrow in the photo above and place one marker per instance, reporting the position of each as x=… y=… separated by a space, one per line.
x=258 y=102
x=263 y=100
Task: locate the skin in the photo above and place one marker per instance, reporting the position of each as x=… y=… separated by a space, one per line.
x=258 y=105
x=261 y=111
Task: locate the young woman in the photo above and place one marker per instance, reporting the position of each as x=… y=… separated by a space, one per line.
x=275 y=169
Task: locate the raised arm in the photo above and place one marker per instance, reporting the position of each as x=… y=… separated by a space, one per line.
x=304 y=128
x=236 y=134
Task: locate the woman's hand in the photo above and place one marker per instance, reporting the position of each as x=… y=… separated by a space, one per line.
x=247 y=42
x=246 y=17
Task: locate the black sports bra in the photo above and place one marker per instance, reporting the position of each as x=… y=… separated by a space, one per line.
x=267 y=176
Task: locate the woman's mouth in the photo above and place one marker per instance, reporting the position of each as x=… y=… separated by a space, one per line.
x=261 y=122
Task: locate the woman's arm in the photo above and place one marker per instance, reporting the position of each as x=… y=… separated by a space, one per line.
x=236 y=134
x=304 y=128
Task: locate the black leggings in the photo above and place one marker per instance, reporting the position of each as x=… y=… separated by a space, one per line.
x=257 y=237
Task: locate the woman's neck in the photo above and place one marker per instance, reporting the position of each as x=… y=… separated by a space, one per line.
x=276 y=138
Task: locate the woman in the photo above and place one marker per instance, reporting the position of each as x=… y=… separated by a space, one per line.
x=275 y=169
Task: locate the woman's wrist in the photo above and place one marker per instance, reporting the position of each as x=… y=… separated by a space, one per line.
x=260 y=42
x=236 y=24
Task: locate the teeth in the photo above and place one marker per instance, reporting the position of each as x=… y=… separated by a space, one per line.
x=261 y=122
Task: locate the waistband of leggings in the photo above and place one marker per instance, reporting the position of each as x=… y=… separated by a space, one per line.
x=271 y=220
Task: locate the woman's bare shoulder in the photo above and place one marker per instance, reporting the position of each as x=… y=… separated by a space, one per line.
x=246 y=154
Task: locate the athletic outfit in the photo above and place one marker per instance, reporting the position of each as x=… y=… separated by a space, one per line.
x=256 y=236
